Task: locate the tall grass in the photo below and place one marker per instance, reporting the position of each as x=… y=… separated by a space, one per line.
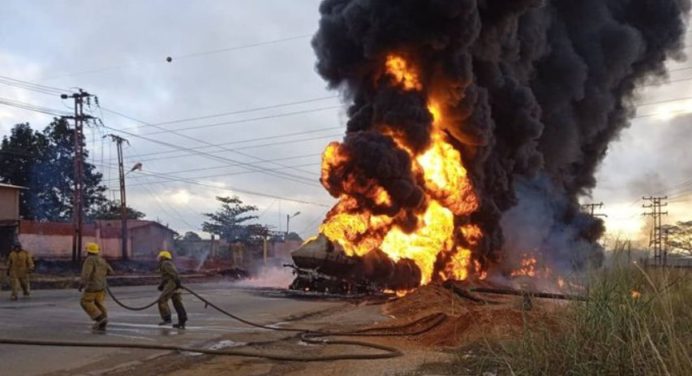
x=636 y=322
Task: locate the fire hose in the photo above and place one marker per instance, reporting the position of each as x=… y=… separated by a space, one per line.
x=305 y=335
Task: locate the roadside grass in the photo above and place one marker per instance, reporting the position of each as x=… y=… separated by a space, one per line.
x=636 y=322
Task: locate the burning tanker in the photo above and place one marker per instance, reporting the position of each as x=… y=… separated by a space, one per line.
x=474 y=126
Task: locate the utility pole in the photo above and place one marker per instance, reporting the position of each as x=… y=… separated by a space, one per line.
x=78 y=196
x=666 y=232
x=591 y=209
x=123 y=204
x=657 y=236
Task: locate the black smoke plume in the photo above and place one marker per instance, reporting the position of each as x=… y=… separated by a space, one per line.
x=538 y=89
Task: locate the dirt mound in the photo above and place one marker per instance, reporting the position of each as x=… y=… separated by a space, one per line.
x=467 y=321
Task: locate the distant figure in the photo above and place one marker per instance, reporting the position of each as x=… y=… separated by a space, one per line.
x=19 y=266
x=93 y=282
x=170 y=290
x=238 y=253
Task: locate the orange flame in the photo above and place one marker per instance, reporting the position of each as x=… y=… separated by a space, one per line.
x=448 y=190
x=528 y=268
x=400 y=69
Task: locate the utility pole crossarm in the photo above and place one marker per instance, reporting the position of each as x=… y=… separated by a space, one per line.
x=591 y=209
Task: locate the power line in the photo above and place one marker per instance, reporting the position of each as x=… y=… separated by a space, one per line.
x=285 y=135
x=184 y=56
x=185 y=154
x=232 y=189
x=237 y=112
x=31 y=86
x=662 y=101
x=248 y=165
x=176 y=179
x=204 y=154
x=32 y=107
x=160 y=202
x=302 y=156
x=242 y=47
x=239 y=190
x=221 y=174
x=233 y=122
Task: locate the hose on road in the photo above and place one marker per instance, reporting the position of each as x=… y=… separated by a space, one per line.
x=127 y=307
x=306 y=335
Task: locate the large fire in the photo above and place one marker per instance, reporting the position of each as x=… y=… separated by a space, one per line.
x=440 y=242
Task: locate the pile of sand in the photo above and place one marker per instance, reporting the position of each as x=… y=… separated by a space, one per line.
x=467 y=321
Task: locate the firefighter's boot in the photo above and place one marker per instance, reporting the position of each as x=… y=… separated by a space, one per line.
x=100 y=323
x=166 y=320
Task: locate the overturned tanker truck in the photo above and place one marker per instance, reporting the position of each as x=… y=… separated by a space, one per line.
x=321 y=265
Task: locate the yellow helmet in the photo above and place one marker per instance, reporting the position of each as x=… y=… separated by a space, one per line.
x=165 y=255
x=93 y=248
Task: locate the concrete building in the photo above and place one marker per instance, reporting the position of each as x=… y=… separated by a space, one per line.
x=9 y=216
x=53 y=240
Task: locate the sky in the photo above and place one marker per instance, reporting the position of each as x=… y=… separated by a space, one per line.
x=240 y=109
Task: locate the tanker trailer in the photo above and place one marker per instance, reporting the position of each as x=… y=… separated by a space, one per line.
x=321 y=265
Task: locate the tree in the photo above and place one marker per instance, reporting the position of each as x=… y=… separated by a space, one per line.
x=44 y=163
x=680 y=237
x=191 y=236
x=294 y=236
x=20 y=154
x=111 y=210
x=231 y=221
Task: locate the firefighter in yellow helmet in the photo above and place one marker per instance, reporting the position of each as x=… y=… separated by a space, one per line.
x=19 y=266
x=170 y=290
x=93 y=282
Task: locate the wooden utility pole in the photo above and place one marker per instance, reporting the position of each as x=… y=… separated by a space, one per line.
x=78 y=194
x=657 y=235
x=123 y=202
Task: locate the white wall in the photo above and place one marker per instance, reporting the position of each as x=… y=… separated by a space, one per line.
x=60 y=246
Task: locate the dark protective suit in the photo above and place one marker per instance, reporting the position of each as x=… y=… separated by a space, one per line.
x=170 y=290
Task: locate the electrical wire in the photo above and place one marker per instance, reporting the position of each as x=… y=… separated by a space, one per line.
x=111 y=165
x=237 y=112
x=280 y=174
x=186 y=153
x=240 y=190
x=284 y=135
x=183 y=56
x=32 y=107
x=31 y=86
x=161 y=204
x=217 y=175
x=250 y=166
x=225 y=123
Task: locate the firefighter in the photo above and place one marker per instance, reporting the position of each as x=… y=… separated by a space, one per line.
x=237 y=253
x=93 y=282
x=170 y=290
x=19 y=266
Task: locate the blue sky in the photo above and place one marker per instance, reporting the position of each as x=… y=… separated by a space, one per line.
x=118 y=51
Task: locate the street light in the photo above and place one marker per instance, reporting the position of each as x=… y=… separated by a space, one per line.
x=123 y=204
x=288 y=221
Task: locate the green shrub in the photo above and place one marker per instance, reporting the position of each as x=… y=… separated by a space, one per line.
x=617 y=332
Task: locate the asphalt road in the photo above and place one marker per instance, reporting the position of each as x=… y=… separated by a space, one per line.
x=56 y=315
